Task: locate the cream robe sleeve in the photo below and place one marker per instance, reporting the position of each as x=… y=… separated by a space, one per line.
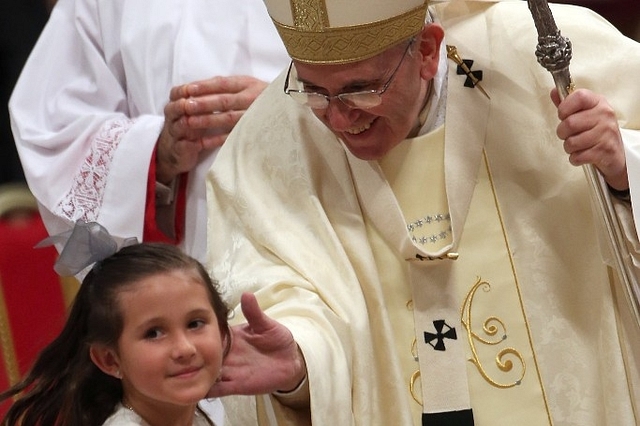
x=285 y=223
x=88 y=107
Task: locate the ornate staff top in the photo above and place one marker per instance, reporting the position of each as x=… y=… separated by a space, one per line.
x=553 y=50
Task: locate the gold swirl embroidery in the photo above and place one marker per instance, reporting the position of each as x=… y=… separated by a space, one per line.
x=491 y=327
x=412 y=386
x=414 y=349
x=414 y=353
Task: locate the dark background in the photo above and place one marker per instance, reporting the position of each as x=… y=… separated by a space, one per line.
x=624 y=14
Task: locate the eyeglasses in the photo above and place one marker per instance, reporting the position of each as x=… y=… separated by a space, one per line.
x=361 y=100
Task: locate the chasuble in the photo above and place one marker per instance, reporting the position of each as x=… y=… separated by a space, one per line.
x=512 y=312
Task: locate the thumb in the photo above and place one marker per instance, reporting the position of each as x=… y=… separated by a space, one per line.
x=555 y=97
x=256 y=318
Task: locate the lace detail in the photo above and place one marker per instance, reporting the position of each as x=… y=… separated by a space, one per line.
x=84 y=199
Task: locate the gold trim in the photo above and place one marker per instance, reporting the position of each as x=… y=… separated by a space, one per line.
x=412 y=386
x=491 y=329
x=414 y=349
x=310 y=15
x=312 y=40
x=6 y=343
x=517 y=282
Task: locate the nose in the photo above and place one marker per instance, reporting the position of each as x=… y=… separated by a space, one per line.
x=339 y=116
x=183 y=346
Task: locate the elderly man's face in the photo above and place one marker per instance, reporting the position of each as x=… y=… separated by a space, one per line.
x=371 y=133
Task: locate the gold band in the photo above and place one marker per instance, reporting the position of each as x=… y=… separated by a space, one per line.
x=342 y=45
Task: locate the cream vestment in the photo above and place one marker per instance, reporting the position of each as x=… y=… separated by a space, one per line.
x=323 y=240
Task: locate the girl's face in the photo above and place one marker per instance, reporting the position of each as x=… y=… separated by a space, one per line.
x=170 y=350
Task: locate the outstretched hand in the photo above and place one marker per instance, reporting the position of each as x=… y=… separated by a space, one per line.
x=199 y=116
x=264 y=357
x=589 y=128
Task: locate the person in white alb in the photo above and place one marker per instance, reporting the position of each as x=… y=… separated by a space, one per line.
x=121 y=105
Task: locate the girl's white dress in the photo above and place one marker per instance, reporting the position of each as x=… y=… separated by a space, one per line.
x=126 y=417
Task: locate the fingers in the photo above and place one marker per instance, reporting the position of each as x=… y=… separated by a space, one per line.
x=579 y=101
x=219 y=94
x=231 y=84
x=199 y=116
x=591 y=134
x=555 y=97
x=257 y=319
x=210 y=107
x=221 y=121
x=587 y=118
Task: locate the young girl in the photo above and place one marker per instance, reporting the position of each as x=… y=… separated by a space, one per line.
x=143 y=343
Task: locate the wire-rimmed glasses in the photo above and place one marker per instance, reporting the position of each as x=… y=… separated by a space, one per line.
x=362 y=99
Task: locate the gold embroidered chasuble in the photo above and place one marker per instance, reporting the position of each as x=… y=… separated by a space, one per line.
x=476 y=290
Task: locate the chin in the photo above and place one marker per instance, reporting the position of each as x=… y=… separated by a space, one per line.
x=367 y=154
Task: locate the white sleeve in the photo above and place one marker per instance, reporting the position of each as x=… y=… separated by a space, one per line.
x=83 y=156
x=631 y=140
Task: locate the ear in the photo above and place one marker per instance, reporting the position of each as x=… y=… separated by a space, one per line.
x=106 y=359
x=430 y=40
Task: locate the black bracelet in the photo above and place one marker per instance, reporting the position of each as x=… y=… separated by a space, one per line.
x=620 y=194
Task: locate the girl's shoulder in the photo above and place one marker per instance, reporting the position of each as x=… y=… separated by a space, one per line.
x=124 y=417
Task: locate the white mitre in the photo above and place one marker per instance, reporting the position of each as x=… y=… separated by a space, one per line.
x=343 y=31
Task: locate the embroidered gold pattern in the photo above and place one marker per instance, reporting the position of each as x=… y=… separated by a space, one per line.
x=515 y=275
x=309 y=15
x=414 y=353
x=491 y=327
x=312 y=40
x=412 y=386
x=414 y=349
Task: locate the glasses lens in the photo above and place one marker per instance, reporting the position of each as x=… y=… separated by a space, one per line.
x=362 y=100
x=312 y=100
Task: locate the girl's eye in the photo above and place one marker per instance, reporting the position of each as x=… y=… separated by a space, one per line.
x=153 y=333
x=196 y=324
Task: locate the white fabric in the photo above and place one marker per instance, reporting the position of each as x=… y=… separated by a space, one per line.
x=126 y=417
x=288 y=221
x=88 y=107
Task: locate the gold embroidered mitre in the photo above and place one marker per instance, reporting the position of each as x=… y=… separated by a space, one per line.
x=343 y=31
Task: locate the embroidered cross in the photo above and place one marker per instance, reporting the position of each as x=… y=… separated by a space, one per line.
x=439 y=336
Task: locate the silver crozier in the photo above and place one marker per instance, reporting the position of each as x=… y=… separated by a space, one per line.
x=554 y=54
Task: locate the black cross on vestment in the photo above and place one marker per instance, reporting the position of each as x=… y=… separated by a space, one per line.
x=469 y=82
x=450 y=333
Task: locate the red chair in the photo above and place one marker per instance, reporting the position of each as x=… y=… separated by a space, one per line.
x=32 y=295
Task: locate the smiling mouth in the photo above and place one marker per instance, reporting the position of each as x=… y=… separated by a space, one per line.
x=186 y=372
x=358 y=130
